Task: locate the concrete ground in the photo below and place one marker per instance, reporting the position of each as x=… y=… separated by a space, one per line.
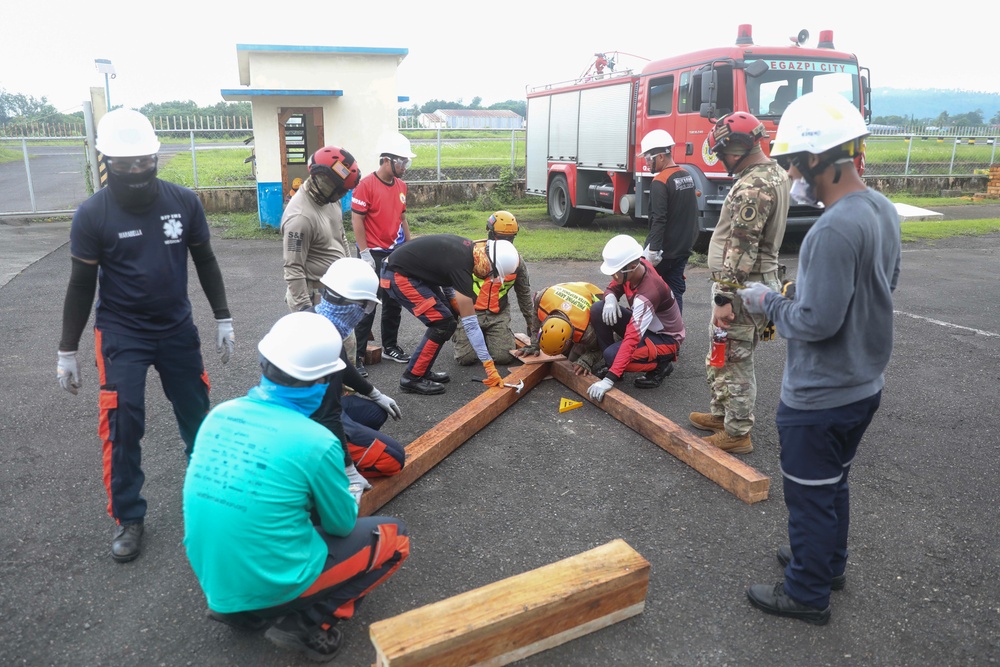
x=533 y=487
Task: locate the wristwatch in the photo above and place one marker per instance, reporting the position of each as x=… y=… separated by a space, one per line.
x=721 y=300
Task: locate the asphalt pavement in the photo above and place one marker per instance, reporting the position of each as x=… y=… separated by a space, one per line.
x=533 y=487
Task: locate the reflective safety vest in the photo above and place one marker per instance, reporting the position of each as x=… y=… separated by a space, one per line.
x=575 y=300
x=489 y=299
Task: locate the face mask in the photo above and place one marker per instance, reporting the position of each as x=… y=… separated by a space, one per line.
x=804 y=192
x=134 y=191
x=344 y=317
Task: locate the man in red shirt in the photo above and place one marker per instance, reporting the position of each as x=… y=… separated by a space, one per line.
x=378 y=214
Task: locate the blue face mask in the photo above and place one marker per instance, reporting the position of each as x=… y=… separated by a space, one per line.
x=345 y=317
x=302 y=399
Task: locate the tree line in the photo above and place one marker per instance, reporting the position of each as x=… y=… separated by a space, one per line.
x=519 y=107
x=944 y=119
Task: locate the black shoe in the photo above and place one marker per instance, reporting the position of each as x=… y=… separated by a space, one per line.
x=773 y=600
x=243 y=621
x=312 y=641
x=420 y=386
x=654 y=378
x=127 y=542
x=784 y=556
x=396 y=354
x=435 y=376
x=360 y=365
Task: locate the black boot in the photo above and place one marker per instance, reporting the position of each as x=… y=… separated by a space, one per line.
x=654 y=378
x=127 y=542
x=420 y=385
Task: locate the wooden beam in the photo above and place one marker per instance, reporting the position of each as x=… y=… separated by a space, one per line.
x=729 y=472
x=512 y=619
x=437 y=443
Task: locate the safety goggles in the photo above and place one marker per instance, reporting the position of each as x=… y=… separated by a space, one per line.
x=623 y=272
x=125 y=165
x=337 y=300
x=651 y=159
x=399 y=163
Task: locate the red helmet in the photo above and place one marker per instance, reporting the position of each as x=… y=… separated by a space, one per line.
x=336 y=163
x=740 y=130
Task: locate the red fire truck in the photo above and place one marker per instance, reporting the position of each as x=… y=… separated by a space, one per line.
x=583 y=136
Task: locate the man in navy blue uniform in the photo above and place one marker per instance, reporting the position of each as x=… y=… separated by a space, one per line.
x=130 y=242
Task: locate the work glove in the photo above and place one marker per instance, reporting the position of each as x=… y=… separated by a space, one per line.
x=612 y=311
x=356 y=483
x=654 y=257
x=753 y=297
x=68 y=372
x=493 y=378
x=531 y=350
x=386 y=403
x=366 y=255
x=597 y=390
x=225 y=341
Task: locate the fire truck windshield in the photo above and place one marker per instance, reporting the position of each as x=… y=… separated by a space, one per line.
x=787 y=79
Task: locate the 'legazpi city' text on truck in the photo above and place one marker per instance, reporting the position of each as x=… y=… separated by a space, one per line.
x=583 y=136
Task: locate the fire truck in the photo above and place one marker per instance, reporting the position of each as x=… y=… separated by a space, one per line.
x=583 y=135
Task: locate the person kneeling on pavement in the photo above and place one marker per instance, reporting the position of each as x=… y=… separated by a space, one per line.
x=350 y=289
x=262 y=473
x=492 y=302
x=650 y=328
x=562 y=319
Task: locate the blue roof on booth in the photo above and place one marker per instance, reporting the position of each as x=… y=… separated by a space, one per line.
x=245 y=94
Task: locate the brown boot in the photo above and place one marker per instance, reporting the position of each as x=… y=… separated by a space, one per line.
x=734 y=444
x=706 y=421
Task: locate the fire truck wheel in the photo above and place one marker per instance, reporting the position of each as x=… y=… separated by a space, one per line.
x=561 y=210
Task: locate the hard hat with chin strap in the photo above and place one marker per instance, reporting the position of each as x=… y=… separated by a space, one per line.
x=503 y=257
x=818 y=122
x=555 y=334
x=618 y=253
x=304 y=346
x=126 y=133
x=503 y=223
x=656 y=139
x=352 y=278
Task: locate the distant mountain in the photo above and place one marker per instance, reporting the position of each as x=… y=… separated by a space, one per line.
x=929 y=103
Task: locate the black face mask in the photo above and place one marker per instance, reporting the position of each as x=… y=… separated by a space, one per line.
x=134 y=191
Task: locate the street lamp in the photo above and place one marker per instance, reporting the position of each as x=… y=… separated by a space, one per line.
x=105 y=67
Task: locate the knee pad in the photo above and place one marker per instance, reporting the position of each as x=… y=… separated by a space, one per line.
x=441 y=332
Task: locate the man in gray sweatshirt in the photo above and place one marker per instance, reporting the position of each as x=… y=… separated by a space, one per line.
x=839 y=332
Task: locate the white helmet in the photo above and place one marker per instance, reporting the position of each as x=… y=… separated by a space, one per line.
x=352 y=278
x=303 y=345
x=656 y=139
x=619 y=252
x=394 y=143
x=126 y=133
x=817 y=122
x=503 y=256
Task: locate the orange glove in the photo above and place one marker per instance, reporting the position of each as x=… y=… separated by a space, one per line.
x=493 y=378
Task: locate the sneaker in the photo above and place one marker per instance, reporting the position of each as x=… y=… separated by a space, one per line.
x=396 y=354
x=127 y=542
x=243 y=621
x=774 y=600
x=360 y=365
x=784 y=557
x=312 y=641
x=654 y=378
x=706 y=421
x=734 y=444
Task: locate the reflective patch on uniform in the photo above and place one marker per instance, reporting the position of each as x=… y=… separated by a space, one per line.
x=748 y=213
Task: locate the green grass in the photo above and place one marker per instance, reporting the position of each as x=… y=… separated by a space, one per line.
x=929 y=230
x=10 y=155
x=216 y=167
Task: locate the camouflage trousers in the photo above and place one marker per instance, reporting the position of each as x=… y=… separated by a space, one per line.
x=733 y=387
x=497 y=333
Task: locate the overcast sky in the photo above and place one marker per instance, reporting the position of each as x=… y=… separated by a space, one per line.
x=183 y=50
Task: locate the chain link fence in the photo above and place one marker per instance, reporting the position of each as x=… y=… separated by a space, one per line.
x=902 y=151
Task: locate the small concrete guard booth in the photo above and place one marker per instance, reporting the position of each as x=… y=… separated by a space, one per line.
x=307 y=97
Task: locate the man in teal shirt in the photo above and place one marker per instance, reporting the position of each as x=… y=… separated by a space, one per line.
x=262 y=473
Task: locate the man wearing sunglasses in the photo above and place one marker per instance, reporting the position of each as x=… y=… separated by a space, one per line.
x=129 y=244
x=378 y=215
x=744 y=247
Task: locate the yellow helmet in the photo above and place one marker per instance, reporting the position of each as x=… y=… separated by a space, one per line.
x=556 y=334
x=502 y=224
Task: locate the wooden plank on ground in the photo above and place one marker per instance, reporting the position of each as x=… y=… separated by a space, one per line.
x=512 y=619
x=437 y=443
x=729 y=472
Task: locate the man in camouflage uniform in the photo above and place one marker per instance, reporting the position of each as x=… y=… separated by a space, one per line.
x=492 y=302
x=744 y=248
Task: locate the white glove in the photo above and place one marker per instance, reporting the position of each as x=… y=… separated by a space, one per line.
x=753 y=296
x=612 y=311
x=68 y=372
x=356 y=483
x=225 y=341
x=386 y=403
x=366 y=255
x=654 y=257
x=597 y=390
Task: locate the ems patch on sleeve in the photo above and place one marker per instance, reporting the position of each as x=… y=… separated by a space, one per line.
x=748 y=213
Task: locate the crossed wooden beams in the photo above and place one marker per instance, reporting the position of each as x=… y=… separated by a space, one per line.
x=432 y=447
